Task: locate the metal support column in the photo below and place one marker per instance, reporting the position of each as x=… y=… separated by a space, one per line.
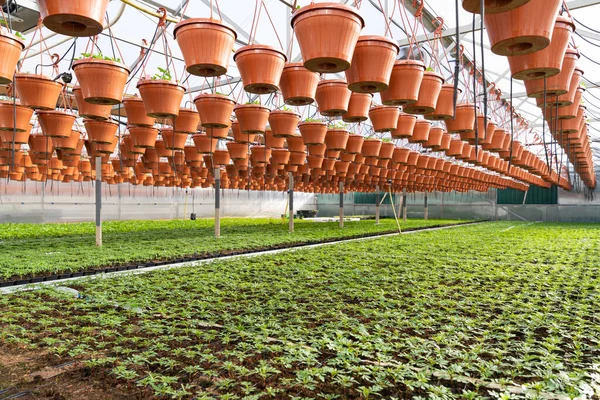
x=426 y=208
x=404 y=205
x=377 y=205
x=291 y=201
x=217 y=175
x=341 y=204
x=99 y=201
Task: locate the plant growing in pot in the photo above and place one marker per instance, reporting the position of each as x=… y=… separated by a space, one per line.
x=215 y=110
x=162 y=97
x=11 y=46
x=102 y=79
x=337 y=137
x=37 y=91
x=74 y=17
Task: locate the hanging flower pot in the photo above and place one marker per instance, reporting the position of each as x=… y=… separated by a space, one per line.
x=101 y=81
x=384 y=118
x=206 y=45
x=298 y=85
x=444 y=108
x=102 y=132
x=56 y=123
x=7 y=114
x=186 y=122
x=313 y=132
x=295 y=144
x=281 y=156
x=260 y=155
x=548 y=62
x=273 y=141
x=386 y=152
x=337 y=28
x=136 y=112
x=240 y=136
x=215 y=110
x=162 y=98
x=421 y=132
x=456 y=148
x=68 y=143
x=372 y=64
x=515 y=33
x=336 y=139
x=358 y=107
x=260 y=67
x=221 y=157
x=37 y=91
x=371 y=148
x=559 y=84
x=355 y=143
x=317 y=149
x=89 y=110
x=333 y=97
x=405 y=127
x=11 y=47
x=464 y=121
x=144 y=137
x=219 y=133
x=405 y=82
x=429 y=91
x=492 y=6
x=237 y=151
x=19 y=137
x=204 y=143
x=434 y=139
x=79 y=18
x=283 y=123
x=297 y=158
x=314 y=162
x=252 y=118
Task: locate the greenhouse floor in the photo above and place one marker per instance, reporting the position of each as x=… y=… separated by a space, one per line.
x=495 y=310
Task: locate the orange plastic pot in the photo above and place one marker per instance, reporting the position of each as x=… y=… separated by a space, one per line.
x=136 y=112
x=336 y=139
x=162 y=99
x=260 y=67
x=283 y=123
x=405 y=126
x=333 y=97
x=79 y=18
x=444 y=109
x=221 y=157
x=295 y=144
x=252 y=118
x=317 y=149
x=205 y=44
x=429 y=91
x=314 y=162
x=18 y=138
x=456 y=148
x=143 y=137
x=297 y=158
x=260 y=154
x=220 y=133
x=372 y=63
x=298 y=85
x=89 y=110
x=7 y=114
x=559 y=84
x=400 y=155
x=386 y=152
x=37 y=91
x=11 y=47
x=464 y=121
x=515 y=33
x=215 y=110
x=548 y=62
x=186 y=122
x=492 y=6
x=371 y=148
x=313 y=132
x=354 y=145
x=272 y=141
x=405 y=82
x=434 y=140
x=280 y=156
x=100 y=132
x=56 y=123
x=358 y=107
x=421 y=132
x=173 y=140
x=205 y=144
x=327 y=34
x=238 y=135
x=101 y=81
x=384 y=118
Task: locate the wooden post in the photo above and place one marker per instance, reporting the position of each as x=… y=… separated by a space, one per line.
x=99 y=201
x=291 y=201
x=217 y=175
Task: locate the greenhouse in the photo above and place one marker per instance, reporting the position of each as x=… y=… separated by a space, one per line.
x=299 y=199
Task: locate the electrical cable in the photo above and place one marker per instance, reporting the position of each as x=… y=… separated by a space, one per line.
x=458 y=59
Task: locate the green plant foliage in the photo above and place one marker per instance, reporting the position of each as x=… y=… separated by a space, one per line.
x=337 y=125
x=494 y=311
x=162 y=75
x=98 y=56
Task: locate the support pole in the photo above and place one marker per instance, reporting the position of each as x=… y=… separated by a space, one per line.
x=404 y=208
x=291 y=201
x=217 y=175
x=341 y=204
x=426 y=208
x=98 y=201
x=377 y=205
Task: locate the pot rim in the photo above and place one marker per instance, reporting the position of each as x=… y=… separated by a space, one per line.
x=284 y=112
x=333 y=82
x=377 y=38
x=238 y=106
x=213 y=96
x=14 y=37
x=263 y=47
x=317 y=6
x=142 y=82
x=209 y=21
x=90 y=60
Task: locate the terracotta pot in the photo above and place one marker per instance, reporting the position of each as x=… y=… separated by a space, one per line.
x=571 y=97
x=101 y=132
x=260 y=67
x=186 y=122
x=464 y=121
x=136 y=112
x=237 y=151
x=88 y=110
x=386 y=152
x=358 y=107
x=260 y=154
x=372 y=63
x=215 y=110
x=515 y=33
x=298 y=85
x=498 y=140
x=7 y=114
x=69 y=143
x=400 y=155
x=548 y=62
x=162 y=99
x=280 y=156
x=429 y=91
x=445 y=144
x=336 y=139
x=317 y=149
x=11 y=47
x=206 y=45
x=143 y=137
x=434 y=140
x=333 y=97
x=252 y=118
x=384 y=118
x=101 y=81
x=283 y=123
x=18 y=138
x=492 y=6
x=405 y=126
x=239 y=136
x=484 y=136
x=37 y=91
x=204 y=144
x=56 y=123
x=79 y=18
x=272 y=141
x=314 y=162
x=405 y=82
x=295 y=144
x=221 y=157
x=456 y=148
x=444 y=108
x=337 y=28
x=355 y=143
x=557 y=85
x=421 y=132
x=297 y=158
x=371 y=148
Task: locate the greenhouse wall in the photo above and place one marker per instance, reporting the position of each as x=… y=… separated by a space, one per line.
x=70 y=202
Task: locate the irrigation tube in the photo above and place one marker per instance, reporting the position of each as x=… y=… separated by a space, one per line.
x=60 y=282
